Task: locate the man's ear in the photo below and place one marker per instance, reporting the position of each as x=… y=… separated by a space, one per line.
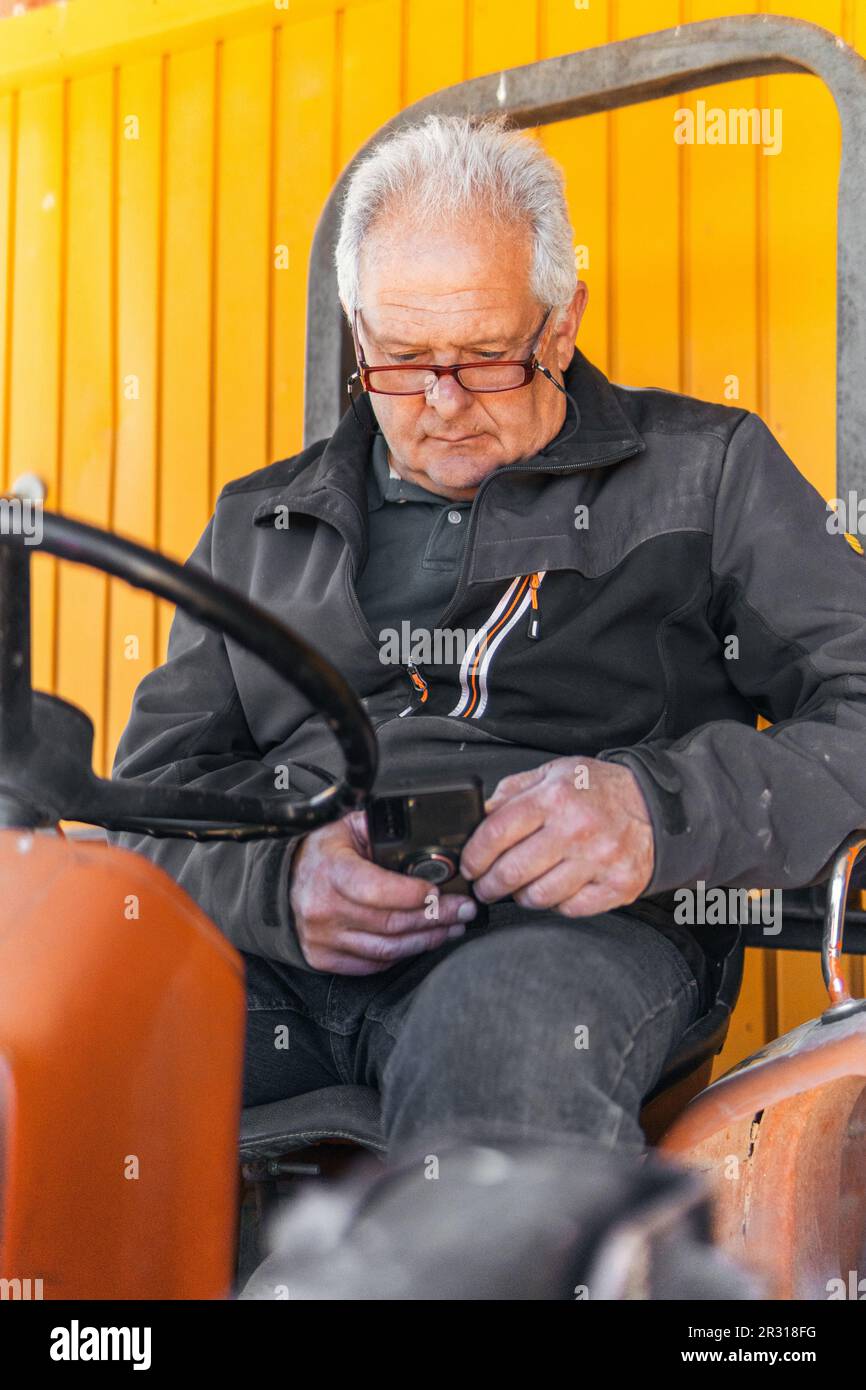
x=567 y=330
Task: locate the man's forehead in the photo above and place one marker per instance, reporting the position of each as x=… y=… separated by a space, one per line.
x=403 y=325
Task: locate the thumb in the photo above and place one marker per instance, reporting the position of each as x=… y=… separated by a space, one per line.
x=356 y=822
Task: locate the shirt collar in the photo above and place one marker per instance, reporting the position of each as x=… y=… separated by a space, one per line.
x=382 y=487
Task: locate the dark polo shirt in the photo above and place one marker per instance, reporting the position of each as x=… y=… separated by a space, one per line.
x=417 y=540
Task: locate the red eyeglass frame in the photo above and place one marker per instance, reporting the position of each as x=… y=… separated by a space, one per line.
x=529 y=364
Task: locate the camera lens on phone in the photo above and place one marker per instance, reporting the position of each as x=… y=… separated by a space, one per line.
x=433 y=866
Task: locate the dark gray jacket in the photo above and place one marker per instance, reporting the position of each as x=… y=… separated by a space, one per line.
x=689 y=581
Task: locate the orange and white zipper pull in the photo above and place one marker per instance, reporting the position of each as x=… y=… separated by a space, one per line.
x=534 y=629
x=418 y=681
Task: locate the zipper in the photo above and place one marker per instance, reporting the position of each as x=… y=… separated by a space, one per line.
x=419 y=684
x=534 y=627
x=366 y=630
x=457 y=597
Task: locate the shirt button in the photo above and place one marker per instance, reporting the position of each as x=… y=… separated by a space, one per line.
x=454 y=517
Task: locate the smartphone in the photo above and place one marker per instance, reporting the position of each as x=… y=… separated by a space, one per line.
x=422 y=831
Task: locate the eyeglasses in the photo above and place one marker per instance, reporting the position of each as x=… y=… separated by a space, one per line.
x=414 y=380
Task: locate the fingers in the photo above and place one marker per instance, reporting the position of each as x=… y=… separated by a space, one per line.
x=354 y=917
x=389 y=949
x=518 y=867
x=516 y=783
x=360 y=881
x=513 y=821
x=350 y=951
x=592 y=898
x=550 y=889
x=344 y=963
x=442 y=911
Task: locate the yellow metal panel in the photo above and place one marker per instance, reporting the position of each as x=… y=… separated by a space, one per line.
x=720 y=245
x=583 y=149
x=502 y=34
x=369 y=39
x=88 y=372
x=436 y=44
x=801 y=355
x=303 y=177
x=36 y=331
x=645 y=212
x=801 y=989
x=753 y=1022
x=186 y=309
x=8 y=118
x=131 y=650
x=241 y=408
x=92 y=35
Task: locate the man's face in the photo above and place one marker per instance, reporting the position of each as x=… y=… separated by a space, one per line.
x=449 y=295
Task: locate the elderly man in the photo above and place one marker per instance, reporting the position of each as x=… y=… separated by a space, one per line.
x=635 y=574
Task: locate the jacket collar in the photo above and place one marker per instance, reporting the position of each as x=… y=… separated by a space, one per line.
x=596 y=431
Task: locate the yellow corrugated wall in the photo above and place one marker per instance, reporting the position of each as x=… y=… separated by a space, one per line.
x=155 y=157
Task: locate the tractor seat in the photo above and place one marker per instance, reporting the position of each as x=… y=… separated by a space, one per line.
x=352 y=1114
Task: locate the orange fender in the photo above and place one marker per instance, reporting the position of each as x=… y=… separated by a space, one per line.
x=781 y=1139
x=121 y=1051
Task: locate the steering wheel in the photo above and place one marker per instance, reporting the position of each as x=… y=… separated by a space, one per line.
x=46 y=773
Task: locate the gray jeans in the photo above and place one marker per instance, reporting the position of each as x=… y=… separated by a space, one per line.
x=532 y=1026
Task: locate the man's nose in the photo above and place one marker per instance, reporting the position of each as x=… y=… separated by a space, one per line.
x=447 y=396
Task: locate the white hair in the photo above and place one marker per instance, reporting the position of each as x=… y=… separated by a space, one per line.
x=447 y=168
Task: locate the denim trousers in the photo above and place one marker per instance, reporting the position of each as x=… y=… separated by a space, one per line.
x=532 y=1026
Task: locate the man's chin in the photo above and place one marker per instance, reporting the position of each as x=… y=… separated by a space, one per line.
x=461 y=466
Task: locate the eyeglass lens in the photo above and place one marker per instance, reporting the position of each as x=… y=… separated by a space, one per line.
x=482 y=376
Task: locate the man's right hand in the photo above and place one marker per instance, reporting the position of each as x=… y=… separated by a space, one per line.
x=353 y=917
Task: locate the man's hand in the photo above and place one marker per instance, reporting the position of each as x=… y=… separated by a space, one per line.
x=353 y=917
x=573 y=835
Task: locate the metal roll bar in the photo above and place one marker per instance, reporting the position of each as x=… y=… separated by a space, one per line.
x=606 y=79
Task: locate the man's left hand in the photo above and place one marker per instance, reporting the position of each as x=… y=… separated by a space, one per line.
x=573 y=835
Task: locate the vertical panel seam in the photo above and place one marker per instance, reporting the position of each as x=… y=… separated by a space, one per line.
x=276 y=40
x=337 y=129
x=214 y=276
x=114 y=383
x=611 y=295
x=159 y=327
x=402 y=60
x=761 y=265
x=61 y=353
x=684 y=249
x=849 y=34
x=11 y=253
